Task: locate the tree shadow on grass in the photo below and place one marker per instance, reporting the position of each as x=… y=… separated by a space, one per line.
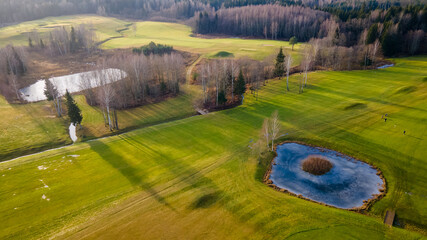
x=133 y=175
x=194 y=178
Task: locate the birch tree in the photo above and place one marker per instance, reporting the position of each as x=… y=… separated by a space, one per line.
x=266 y=132
x=288 y=63
x=105 y=95
x=274 y=126
x=52 y=94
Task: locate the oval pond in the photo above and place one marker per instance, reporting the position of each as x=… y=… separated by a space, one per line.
x=346 y=185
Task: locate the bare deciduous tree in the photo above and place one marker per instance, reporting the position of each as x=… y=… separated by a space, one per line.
x=288 y=66
x=274 y=126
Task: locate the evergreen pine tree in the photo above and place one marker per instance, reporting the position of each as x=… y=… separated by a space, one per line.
x=73 y=41
x=74 y=112
x=240 y=88
x=222 y=99
x=372 y=34
x=279 y=69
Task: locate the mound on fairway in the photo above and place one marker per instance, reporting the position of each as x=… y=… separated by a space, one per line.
x=223 y=54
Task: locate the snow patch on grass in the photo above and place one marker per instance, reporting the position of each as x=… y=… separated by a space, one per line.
x=42 y=167
x=72 y=131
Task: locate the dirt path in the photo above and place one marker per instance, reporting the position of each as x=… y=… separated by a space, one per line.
x=191 y=67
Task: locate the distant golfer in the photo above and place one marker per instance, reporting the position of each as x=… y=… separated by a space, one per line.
x=385 y=119
x=404 y=132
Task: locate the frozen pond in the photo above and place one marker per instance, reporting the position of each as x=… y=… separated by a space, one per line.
x=346 y=185
x=385 y=66
x=73 y=83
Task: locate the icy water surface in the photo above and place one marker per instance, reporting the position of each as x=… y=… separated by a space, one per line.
x=73 y=83
x=346 y=186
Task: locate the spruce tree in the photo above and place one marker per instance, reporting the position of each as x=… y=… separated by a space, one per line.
x=372 y=34
x=240 y=88
x=74 y=112
x=222 y=99
x=73 y=41
x=279 y=68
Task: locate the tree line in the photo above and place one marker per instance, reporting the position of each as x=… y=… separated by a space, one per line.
x=224 y=81
x=262 y=21
x=64 y=40
x=144 y=79
x=153 y=48
x=13 y=11
x=13 y=65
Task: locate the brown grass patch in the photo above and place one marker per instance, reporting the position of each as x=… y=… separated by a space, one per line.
x=316 y=165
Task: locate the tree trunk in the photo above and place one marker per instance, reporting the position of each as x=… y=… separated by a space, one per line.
x=115 y=117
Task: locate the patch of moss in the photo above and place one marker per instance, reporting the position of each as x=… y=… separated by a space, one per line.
x=223 y=54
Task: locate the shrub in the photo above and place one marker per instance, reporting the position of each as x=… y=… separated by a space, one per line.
x=316 y=165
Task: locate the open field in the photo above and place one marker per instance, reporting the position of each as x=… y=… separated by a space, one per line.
x=179 y=36
x=28 y=128
x=196 y=179
x=120 y=34
x=116 y=34
x=18 y=34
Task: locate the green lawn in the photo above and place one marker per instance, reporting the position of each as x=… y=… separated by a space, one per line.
x=179 y=36
x=120 y=34
x=18 y=140
x=196 y=179
x=105 y=27
x=28 y=128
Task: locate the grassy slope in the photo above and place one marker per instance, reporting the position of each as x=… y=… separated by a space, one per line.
x=195 y=177
x=123 y=36
x=170 y=109
x=18 y=34
x=28 y=128
x=179 y=36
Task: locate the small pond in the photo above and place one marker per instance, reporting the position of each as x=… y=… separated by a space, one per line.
x=346 y=185
x=73 y=83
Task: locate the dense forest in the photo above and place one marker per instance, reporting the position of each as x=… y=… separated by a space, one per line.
x=264 y=21
x=399 y=26
x=12 y=11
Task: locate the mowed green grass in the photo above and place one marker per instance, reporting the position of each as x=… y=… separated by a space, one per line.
x=149 y=114
x=29 y=128
x=120 y=34
x=105 y=28
x=196 y=179
x=26 y=128
x=180 y=37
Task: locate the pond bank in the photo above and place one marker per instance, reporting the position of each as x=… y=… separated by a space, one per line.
x=352 y=184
